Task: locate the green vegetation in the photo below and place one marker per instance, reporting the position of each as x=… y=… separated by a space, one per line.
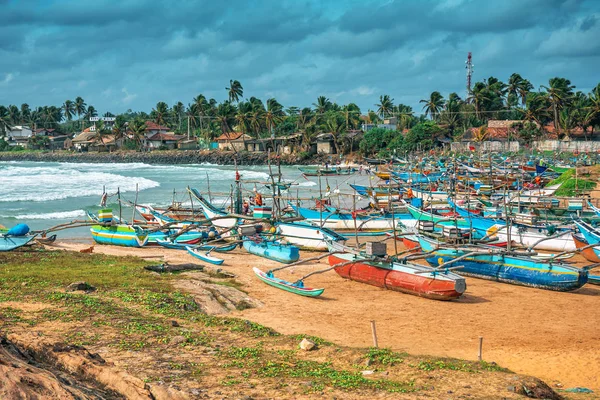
x=133 y=310
x=572 y=186
x=205 y=118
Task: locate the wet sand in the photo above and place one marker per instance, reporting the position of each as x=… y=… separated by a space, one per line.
x=554 y=336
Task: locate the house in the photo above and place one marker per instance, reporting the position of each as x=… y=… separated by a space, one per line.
x=153 y=128
x=325 y=143
x=187 y=144
x=19 y=136
x=163 y=140
x=83 y=141
x=46 y=132
x=58 y=142
x=287 y=144
x=232 y=140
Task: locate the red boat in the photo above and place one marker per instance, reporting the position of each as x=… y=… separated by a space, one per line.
x=415 y=279
x=589 y=253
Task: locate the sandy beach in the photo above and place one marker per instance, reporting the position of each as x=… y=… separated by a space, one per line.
x=551 y=335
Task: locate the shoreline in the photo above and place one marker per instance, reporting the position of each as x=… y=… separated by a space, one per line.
x=169 y=157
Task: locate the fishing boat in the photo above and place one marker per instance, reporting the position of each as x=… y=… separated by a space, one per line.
x=119 y=235
x=501 y=266
x=217 y=217
x=272 y=249
x=184 y=238
x=204 y=255
x=317 y=171
x=365 y=220
x=539 y=237
x=580 y=242
x=402 y=277
x=306 y=235
x=292 y=287
x=15 y=237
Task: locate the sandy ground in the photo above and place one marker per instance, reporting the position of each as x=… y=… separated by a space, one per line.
x=554 y=336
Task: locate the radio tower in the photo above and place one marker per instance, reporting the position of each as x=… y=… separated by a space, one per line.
x=469 y=67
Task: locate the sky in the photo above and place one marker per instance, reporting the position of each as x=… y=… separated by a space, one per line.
x=131 y=54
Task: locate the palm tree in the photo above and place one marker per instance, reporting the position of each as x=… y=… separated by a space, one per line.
x=160 y=112
x=594 y=97
x=405 y=116
x=119 y=128
x=321 y=107
x=559 y=92
x=68 y=108
x=25 y=113
x=385 y=106
x=14 y=114
x=225 y=116
x=335 y=124
x=201 y=108
x=536 y=109
x=235 y=91
x=90 y=112
x=478 y=97
x=273 y=115
x=137 y=127
x=80 y=106
x=433 y=105
x=178 y=111
x=352 y=114
x=4 y=120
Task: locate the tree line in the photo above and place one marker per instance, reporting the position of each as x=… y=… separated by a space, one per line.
x=205 y=118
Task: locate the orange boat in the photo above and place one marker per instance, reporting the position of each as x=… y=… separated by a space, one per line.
x=406 y=277
x=589 y=253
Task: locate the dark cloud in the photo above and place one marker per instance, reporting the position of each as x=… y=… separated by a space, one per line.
x=135 y=53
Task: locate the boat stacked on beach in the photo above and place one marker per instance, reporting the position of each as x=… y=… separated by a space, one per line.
x=455 y=219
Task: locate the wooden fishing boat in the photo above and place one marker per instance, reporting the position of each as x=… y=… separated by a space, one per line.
x=308 y=171
x=541 y=237
x=119 y=235
x=292 y=287
x=339 y=220
x=185 y=238
x=406 y=277
x=589 y=254
x=15 y=237
x=204 y=255
x=216 y=216
x=500 y=266
x=46 y=240
x=306 y=235
x=273 y=250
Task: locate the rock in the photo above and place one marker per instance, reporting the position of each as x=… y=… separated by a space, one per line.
x=369 y=372
x=175 y=324
x=536 y=389
x=368 y=362
x=307 y=344
x=512 y=389
x=178 y=340
x=23 y=283
x=80 y=286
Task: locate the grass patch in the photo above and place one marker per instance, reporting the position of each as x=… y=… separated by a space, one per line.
x=570 y=186
x=385 y=356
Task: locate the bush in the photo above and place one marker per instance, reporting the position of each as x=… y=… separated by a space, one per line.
x=377 y=139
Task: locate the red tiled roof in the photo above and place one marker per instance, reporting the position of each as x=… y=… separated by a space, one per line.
x=165 y=136
x=152 y=126
x=230 y=136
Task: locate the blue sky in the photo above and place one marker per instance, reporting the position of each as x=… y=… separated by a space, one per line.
x=133 y=53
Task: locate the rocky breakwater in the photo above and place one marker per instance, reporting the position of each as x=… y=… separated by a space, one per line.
x=161 y=157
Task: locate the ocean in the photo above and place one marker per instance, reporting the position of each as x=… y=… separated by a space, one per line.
x=45 y=194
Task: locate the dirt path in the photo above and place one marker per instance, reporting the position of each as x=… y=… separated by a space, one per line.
x=553 y=336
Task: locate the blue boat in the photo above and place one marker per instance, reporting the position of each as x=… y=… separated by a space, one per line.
x=15 y=237
x=120 y=235
x=204 y=256
x=499 y=266
x=273 y=250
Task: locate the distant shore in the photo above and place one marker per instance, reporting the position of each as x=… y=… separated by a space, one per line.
x=164 y=157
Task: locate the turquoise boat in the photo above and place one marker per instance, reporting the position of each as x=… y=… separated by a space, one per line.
x=499 y=266
x=292 y=287
x=204 y=256
x=120 y=235
x=273 y=250
x=15 y=237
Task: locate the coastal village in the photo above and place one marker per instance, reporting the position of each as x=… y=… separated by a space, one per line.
x=299 y=200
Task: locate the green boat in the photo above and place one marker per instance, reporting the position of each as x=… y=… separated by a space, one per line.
x=296 y=287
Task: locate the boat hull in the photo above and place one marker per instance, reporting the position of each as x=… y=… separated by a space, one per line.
x=401 y=278
x=282 y=253
x=287 y=286
x=588 y=253
x=119 y=235
x=307 y=237
x=8 y=243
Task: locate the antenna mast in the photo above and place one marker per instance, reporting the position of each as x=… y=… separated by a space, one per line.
x=469 y=68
